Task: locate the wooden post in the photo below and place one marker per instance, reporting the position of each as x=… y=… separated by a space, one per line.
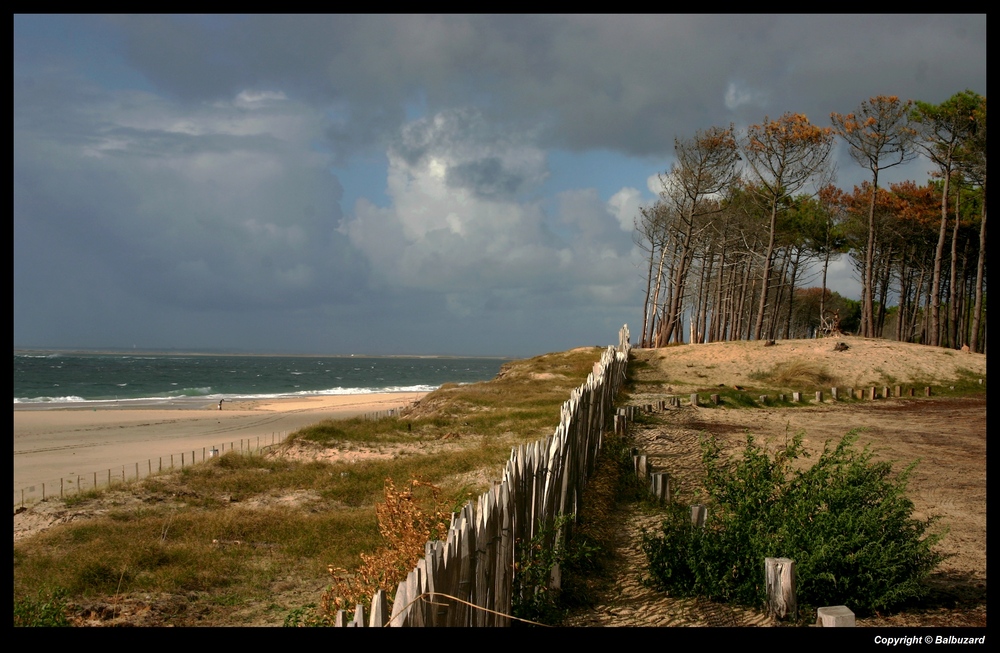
x=834 y=394
x=911 y=392
x=715 y=399
x=835 y=616
x=796 y=397
x=885 y=392
x=899 y=391
x=699 y=513
x=927 y=391
x=763 y=399
x=871 y=393
x=43 y=491
x=60 y=488
x=359 y=610
x=781 y=397
x=779 y=581
x=819 y=396
x=95 y=480
x=694 y=399
x=380 y=610
x=137 y=471
x=641 y=466
x=659 y=486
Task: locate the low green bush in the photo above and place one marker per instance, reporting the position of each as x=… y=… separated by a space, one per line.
x=45 y=610
x=846 y=521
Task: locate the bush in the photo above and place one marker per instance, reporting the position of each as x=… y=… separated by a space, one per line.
x=406 y=521
x=845 y=521
x=534 y=598
x=46 y=610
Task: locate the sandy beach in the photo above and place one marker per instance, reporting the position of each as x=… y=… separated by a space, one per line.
x=74 y=444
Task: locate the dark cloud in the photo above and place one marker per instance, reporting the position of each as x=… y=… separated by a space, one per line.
x=179 y=178
x=625 y=83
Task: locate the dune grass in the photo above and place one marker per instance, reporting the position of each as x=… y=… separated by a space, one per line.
x=237 y=529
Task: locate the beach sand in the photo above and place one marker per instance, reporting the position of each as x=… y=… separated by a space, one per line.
x=75 y=443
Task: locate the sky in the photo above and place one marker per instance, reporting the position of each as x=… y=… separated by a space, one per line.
x=461 y=185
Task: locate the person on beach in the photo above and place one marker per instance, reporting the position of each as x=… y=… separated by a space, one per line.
x=220 y=403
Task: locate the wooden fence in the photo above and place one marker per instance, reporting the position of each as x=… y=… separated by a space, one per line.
x=468 y=578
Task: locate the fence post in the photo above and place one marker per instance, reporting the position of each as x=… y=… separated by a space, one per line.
x=779 y=580
x=699 y=513
x=659 y=485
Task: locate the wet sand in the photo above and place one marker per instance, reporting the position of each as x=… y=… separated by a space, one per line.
x=77 y=442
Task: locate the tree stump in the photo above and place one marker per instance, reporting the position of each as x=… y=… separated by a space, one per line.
x=835 y=616
x=779 y=580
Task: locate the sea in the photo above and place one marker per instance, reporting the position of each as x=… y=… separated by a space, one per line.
x=57 y=379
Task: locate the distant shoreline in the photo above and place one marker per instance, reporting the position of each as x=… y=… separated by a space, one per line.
x=170 y=352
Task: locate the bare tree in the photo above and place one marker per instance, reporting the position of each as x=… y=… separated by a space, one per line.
x=945 y=129
x=782 y=156
x=880 y=136
x=705 y=167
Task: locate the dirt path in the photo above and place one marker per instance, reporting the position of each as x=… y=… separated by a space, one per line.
x=948 y=435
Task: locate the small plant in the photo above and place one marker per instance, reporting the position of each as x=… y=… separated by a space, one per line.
x=534 y=596
x=846 y=522
x=45 y=610
x=406 y=523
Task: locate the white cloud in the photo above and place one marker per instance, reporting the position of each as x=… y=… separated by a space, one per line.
x=462 y=220
x=624 y=205
x=739 y=94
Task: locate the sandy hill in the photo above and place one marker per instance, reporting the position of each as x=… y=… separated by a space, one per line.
x=865 y=362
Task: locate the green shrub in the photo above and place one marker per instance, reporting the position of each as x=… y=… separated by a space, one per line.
x=46 y=610
x=846 y=522
x=534 y=598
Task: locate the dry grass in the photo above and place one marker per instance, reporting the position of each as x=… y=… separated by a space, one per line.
x=798 y=374
x=245 y=538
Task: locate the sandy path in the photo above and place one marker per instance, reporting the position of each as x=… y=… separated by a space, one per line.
x=72 y=443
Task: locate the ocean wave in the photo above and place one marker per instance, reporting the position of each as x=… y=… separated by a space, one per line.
x=47 y=400
x=205 y=393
